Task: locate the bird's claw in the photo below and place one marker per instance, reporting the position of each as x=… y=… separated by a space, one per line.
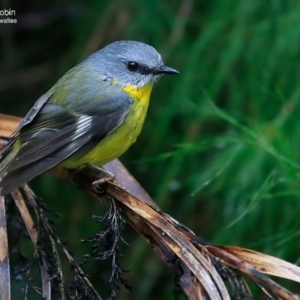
x=99 y=185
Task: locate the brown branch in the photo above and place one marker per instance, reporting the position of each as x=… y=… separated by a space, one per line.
x=4 y=256
x=22 y=207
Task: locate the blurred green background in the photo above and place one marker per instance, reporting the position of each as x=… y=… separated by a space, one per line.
x=220 y=147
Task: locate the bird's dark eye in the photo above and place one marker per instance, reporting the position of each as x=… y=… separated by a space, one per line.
x=132 y=66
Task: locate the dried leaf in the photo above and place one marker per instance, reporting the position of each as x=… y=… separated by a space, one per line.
x=266 y=263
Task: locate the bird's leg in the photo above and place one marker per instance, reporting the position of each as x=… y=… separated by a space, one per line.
x=105 y=177
x=106 y=173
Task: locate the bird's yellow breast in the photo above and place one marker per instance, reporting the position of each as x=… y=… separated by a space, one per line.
x=119 y=140
x=140 y=95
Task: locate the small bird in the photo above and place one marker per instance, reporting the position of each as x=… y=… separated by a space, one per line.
x=90 y=116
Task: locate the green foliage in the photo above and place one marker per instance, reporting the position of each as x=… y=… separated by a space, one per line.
x=220 y=147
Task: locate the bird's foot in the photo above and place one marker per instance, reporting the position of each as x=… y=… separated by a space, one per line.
x=99 y=185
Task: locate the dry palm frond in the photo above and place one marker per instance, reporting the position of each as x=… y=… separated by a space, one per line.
x=201 y=269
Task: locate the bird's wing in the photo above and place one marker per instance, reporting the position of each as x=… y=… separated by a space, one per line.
x=26 y=120
x=49 y=134
x=34 y=110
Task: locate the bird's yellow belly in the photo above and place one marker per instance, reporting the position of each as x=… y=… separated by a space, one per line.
x=118 y=141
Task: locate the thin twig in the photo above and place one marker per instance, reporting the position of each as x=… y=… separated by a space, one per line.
x=4 y=256
x=22 y=207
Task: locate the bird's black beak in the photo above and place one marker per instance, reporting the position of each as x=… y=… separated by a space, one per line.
x=164 y=70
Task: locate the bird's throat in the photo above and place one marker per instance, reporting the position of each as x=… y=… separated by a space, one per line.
x=142 y=95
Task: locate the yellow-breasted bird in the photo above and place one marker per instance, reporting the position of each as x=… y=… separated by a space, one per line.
x=91 y=115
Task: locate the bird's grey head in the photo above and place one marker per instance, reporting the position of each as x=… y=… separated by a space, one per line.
x=130 y=63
